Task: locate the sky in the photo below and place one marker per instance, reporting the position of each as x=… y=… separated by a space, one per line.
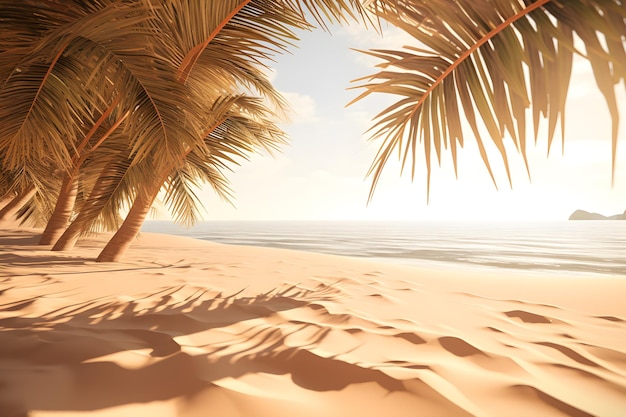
x=321 y=174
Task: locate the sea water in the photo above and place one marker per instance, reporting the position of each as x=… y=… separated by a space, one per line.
x=573 y=247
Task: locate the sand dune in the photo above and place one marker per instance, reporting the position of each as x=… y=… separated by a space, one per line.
x=190 y=328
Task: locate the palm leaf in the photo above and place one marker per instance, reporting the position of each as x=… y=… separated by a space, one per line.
x=491 y=60
x=244 y=126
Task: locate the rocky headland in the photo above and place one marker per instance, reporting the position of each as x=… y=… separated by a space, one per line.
x=585 y=215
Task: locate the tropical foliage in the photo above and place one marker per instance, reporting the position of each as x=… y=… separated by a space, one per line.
x=107 y=104
x=114 y=101
x=493 y=62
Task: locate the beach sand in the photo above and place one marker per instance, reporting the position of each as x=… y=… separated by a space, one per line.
x=188 y=328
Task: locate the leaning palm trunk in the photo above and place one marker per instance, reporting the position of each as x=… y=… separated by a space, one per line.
x=16 y=203
x=69 y=237
x=67 y=196
x=62 y=211
x=124 y=236
x=90 y=210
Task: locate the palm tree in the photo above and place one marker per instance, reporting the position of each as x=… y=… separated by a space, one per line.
x=169 y=61
x=230 y=53
x=224 y=63
x=105 y=197
x=233 y=136
x=68 y=190
x=491 y=60
x=55 y=82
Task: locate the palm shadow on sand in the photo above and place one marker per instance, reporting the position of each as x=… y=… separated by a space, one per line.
x=58 y=361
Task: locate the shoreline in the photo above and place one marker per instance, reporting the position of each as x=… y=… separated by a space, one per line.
x=459 y=246
x=181 y=326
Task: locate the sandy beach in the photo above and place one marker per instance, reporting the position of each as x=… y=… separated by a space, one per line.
x=190 y=328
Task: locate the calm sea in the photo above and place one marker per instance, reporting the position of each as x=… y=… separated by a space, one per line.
x=574 y=247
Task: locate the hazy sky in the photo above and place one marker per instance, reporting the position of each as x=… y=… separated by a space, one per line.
x=321 y=174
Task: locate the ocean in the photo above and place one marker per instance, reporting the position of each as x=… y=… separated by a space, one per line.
x=572 y=247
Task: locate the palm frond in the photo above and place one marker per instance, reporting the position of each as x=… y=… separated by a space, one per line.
x=490 y=60
x=330 y=11
x=244 y=126
x=181 y=197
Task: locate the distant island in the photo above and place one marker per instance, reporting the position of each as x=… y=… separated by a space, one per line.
x=585 y=215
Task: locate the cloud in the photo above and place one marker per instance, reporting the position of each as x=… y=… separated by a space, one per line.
x=391 y=37
x=302 y=106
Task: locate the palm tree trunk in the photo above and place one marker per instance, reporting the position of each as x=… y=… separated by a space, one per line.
x=16 y=203
x=124 y=236
x=90 y=210
x=62 y=210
